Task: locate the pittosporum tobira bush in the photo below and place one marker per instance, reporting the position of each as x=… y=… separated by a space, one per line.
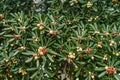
x=59 y=40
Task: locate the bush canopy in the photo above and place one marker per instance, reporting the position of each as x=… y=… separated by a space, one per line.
x=59 y=40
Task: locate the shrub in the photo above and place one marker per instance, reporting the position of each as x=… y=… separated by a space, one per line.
x=77 y=39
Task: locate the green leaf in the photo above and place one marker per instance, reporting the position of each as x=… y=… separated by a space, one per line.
x=48 y=72
x=117 y=63
x=118 y=69
x=89 y=77
x=81 y=63
x=8 y=35
x=97 y=56
x=34 y=28
x=117 y=77
x=117 y=39
x=37 y=63
x=101 y=64
x=34 y=74
x=28 y=53
x=31 y=69
x=2 y=33
x=53 y=52
x=100 y=69
x=50 y=58
x=10 y=40
x=23 y=78
x=78 y=73
x=14 y=53
x=102 y=74
x=41 y=75
x=29 y=60
x=44 y=60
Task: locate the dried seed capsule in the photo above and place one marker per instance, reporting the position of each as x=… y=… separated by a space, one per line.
x=40 y=26
x=71 y=55
x=114 y=1
x=88 y=51
x=89 y=4
x=1 y=16
x=42 y=50
x=16 y=37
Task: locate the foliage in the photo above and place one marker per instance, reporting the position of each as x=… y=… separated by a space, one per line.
x=76 y=39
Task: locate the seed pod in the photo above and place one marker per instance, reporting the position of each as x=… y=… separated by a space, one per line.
x=114 y=1
x=53 y=33
x=80 y=56
x=1 y=16
x=99 y=44
x=71 y=55
x=42 y=50
x=16 y=37
x=75 y=1
x=115 y=34
x=111 y=70
x=88 y=51
x=92 y=75
x=105 y=33
x=79 y=39
x=89 y=4
x=53 y=23
x=79 y=49
x=40 y=26
x=36 y=56
x=90 y=19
